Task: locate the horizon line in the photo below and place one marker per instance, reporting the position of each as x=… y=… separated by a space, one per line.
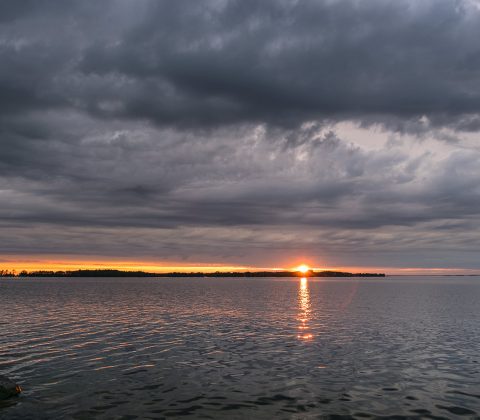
x=130 y=266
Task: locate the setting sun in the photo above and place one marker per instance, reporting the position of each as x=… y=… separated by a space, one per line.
x=303 y=268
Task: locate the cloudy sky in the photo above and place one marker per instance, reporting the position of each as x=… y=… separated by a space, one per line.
x=341 y=133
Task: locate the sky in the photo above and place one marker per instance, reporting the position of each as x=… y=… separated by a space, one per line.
x=240 y=134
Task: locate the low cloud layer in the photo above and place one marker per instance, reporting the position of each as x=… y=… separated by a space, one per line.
x=239 y=132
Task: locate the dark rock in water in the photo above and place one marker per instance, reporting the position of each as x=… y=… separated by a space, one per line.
x=8 y=388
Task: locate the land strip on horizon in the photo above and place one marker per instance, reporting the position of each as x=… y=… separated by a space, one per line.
x=121 y=273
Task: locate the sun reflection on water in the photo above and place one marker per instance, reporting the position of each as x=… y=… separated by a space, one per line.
x=304 y=310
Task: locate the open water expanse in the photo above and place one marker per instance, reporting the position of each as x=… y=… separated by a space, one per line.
x=126 y=348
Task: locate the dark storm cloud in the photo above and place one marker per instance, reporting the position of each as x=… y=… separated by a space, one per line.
x=286 y=62
x=159 y=124
x=213 y=62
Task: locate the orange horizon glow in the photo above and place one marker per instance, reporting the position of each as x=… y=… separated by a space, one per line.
x=118 y=265
x=40 y=263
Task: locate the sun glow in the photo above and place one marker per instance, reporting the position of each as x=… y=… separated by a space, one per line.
x=303 y=268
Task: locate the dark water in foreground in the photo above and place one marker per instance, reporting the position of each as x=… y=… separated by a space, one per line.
x=241 y=348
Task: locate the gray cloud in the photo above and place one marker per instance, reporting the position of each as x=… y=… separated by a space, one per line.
x=219 y=62
x=207 y=131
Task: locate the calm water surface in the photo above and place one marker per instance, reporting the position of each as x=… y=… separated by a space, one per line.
x=241 y=348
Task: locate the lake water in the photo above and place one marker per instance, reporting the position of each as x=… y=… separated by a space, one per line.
x=126 y=348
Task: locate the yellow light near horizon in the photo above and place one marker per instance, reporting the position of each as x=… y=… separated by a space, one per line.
x=303 y=268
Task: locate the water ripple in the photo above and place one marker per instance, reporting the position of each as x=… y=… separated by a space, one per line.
x=241 y=348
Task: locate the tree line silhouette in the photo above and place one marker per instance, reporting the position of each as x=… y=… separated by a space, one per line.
x=121 y=273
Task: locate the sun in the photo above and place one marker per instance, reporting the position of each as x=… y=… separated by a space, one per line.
x=303 y=268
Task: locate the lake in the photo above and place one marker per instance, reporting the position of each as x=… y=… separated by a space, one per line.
x=127 y=348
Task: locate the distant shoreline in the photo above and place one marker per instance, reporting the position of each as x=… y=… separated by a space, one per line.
x=120 y=273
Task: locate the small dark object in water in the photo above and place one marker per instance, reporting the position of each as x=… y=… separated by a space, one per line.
x=8 y=388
